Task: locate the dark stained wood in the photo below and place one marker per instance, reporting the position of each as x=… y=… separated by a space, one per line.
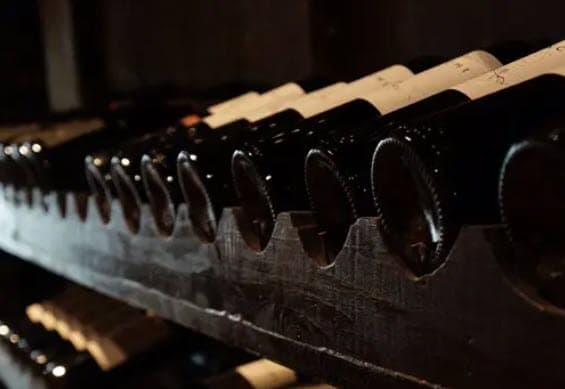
x=361 y=322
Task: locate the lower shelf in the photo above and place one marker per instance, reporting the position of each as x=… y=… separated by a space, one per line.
x=360 y=322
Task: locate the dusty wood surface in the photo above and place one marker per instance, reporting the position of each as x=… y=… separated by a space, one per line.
x=361 y=322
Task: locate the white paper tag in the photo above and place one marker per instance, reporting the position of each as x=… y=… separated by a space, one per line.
x=311 y=98
x=289 y=91
x=560 y=71
x=515 y=72
x=432 y=81
x=381 y=79
x=376 y=81
x=230 y=104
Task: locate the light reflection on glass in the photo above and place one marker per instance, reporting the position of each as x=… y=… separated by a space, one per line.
x=41 y=359
x=59 y=371
x=4 y=330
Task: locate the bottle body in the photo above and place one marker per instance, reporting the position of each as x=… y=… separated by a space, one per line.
x=126 y=170
x=159 y=167
x=340 y=166
x=532 y=199
x=159 y=170
x=432 y=177
x=354 y=114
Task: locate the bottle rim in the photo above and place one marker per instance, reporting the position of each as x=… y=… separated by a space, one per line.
x=158 y=196
x=200 y=208
x=522 y=215
x=128 y=198
x=332 y=204
x=98 y=189
x=414 y=202
x=257 y=219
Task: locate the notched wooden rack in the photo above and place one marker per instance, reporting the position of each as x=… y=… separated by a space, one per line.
x=360 y=322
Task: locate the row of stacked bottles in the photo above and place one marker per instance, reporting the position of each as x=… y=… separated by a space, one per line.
x=427 y=146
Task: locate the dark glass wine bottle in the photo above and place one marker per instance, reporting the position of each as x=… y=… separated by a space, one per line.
x=432 y=176
x=11 y=172
x=126 y=167
x=204 y=172
x=128 y=154
x=337 y=167
x=532 y=206
x=204 y=167
x=56 y=153
x=269 y=171
x=159 y=165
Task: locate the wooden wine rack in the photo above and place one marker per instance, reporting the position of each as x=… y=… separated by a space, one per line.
x=360 y=322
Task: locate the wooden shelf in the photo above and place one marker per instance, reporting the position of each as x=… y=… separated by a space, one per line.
x=361 y=322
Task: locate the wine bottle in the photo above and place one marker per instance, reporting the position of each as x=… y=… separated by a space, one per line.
x=268 y=173
x=9 y=170
x=56 y=152
x=12 y=173
x=159 y=164
x=434 y=175
x=204 y=168
x=97 y=165
x=338 y=184
x=125 y=161
x=532 y=199
x=212 y=155
x=259 y=374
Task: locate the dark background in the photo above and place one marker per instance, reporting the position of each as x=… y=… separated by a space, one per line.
x=63 y=54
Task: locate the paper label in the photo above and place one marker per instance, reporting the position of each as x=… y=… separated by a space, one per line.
x=560 y=71
x=432 y=81
x=310 y=98
x=515 y=72
x=242 y=100
x=265 y=374
x=376 y=81
x=381 y=79
x=289 y=91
